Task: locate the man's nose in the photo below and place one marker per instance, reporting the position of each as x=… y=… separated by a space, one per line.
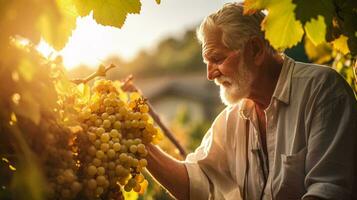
x=212 y=72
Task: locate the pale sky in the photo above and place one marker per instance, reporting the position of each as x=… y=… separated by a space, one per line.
x=91 y=43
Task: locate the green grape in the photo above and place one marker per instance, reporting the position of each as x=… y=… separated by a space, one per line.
x=112 y=118
x=116 y=146
x=100 y=154
x=92 y=184
x=105 y=116
x=114 y=133
x=143 y=162
x=101 y=170
x=105 y=137
x=96 y=162
x=111 y=153
x=133 y=148
x=92 y=170
x=123 y=157
x=107 y=102
x=106 y=123
x=117 y=125
x=111 y=165
x=101 y=130
x=98 y=122
x=110 y=110
x=101 y=180
x=104 y=147
x=76 y=187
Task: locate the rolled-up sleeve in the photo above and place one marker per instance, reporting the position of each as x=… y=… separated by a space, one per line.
x=331 y=160
x=207 y=167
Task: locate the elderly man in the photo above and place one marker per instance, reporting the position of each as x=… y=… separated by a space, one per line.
x=288 y=131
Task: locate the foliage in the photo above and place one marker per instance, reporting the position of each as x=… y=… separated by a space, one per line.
x=321 y=20
x=330 y=28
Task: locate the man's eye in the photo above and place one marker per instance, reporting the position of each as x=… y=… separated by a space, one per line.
x=218 y=60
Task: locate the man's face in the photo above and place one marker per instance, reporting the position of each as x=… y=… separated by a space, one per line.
x=227 y=68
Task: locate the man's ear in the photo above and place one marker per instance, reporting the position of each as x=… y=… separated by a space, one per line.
x=256 y=48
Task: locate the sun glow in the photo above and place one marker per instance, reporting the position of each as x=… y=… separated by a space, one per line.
x=90 y=44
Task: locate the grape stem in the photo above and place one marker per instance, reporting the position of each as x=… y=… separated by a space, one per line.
x=100 y=72
x=129 y=86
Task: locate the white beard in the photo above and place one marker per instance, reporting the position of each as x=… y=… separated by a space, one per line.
x=239 y=88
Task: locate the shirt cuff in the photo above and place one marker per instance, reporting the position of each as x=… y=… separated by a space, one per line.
x=199 y=185
x=327 y=191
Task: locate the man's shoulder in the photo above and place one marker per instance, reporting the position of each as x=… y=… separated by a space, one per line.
x=319 y=80
x=313 y=71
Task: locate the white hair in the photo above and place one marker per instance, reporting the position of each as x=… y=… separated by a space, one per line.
x=235 y=26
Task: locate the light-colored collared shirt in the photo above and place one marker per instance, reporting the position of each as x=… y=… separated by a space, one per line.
x=311 y=135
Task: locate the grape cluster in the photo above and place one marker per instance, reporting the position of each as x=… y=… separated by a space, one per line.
x=58 y=155
x=112 y=146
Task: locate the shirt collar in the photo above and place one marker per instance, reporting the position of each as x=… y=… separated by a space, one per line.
x=283 y=86
x=281 y=92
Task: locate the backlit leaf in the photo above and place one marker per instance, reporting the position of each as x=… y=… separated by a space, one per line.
x=320 y=54
x=251 y=6
x=56 y=27
x=340 y=44
x=109 y=13
x=281 y=28
x=316 y=30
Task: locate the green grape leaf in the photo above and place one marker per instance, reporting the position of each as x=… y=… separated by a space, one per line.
x=340 y=44
x=83 y=7
x=108 y=13
x=281 y=28
x=84 y=90
x=316 y=30
x=320 y=54
x=307 y=9
x=57 y=23
x=251 y=6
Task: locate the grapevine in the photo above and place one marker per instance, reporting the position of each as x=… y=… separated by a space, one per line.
x=91 y=144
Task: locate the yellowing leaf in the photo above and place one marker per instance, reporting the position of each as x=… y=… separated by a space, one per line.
x=316 y=30
x=340 y=44
x=281 y=28
x=110 y=12
x=251 y=6
x=320 y=54
x=83 y=7
x=158 y=1
x=57 y=27
x=85 y=92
